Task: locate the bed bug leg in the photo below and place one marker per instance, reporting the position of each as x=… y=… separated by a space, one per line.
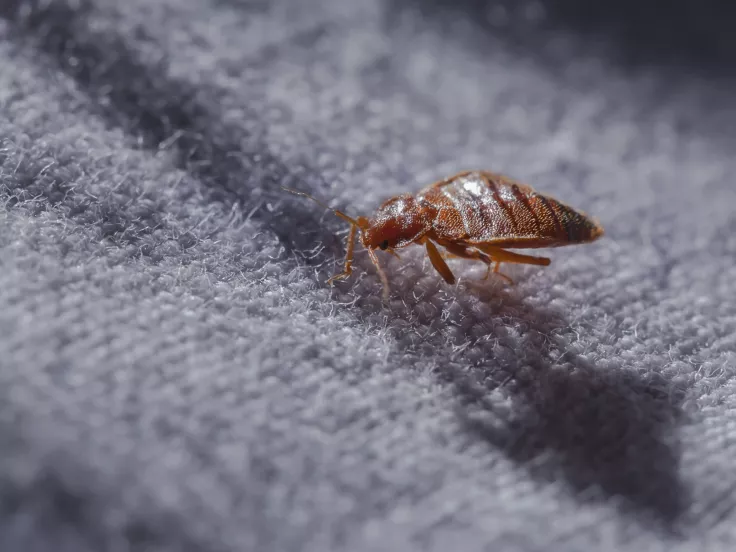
x=502 y=256
x=439 y=263
x=496 y=271
x=501 y=274
x=355 y=224
x=348 y=270
x=381 y=273
x=463 y=252
x=488 y=272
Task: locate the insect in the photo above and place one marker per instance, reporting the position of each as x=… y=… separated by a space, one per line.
x=472 y=215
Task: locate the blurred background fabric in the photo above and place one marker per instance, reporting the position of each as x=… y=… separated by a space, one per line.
x=176 y=375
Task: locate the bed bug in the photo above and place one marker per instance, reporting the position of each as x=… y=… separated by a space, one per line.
x=472 y=215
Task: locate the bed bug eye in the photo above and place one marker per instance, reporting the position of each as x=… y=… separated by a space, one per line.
x=384 y=245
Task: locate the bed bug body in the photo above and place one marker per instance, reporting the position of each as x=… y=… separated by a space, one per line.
x=472 y=215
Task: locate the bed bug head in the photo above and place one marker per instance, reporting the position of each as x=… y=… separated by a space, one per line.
x=398 y=222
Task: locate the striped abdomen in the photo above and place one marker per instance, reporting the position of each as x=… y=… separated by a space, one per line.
x=483 y=207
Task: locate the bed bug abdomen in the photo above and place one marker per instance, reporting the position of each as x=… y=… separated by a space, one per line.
x=483 y=207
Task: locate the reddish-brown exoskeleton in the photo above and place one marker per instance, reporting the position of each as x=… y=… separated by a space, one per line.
x=472 y=215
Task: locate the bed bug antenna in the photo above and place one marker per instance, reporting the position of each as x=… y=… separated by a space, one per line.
x=362 y=224
x=324 y=205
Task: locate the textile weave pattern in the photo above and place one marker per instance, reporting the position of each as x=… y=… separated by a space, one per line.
x=176 y=375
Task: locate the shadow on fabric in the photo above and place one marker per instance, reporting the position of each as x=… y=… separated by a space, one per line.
x=605 y=434
x=236 y=167
x=694 y=34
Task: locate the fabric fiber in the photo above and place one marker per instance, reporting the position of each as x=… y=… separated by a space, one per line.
x=176 y=375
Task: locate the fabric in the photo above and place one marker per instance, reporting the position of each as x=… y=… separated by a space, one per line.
x=176 y=375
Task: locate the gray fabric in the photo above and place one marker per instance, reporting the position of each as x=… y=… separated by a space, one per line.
x=175 y=374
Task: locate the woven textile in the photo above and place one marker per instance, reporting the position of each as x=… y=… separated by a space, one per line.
x=174 y=372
